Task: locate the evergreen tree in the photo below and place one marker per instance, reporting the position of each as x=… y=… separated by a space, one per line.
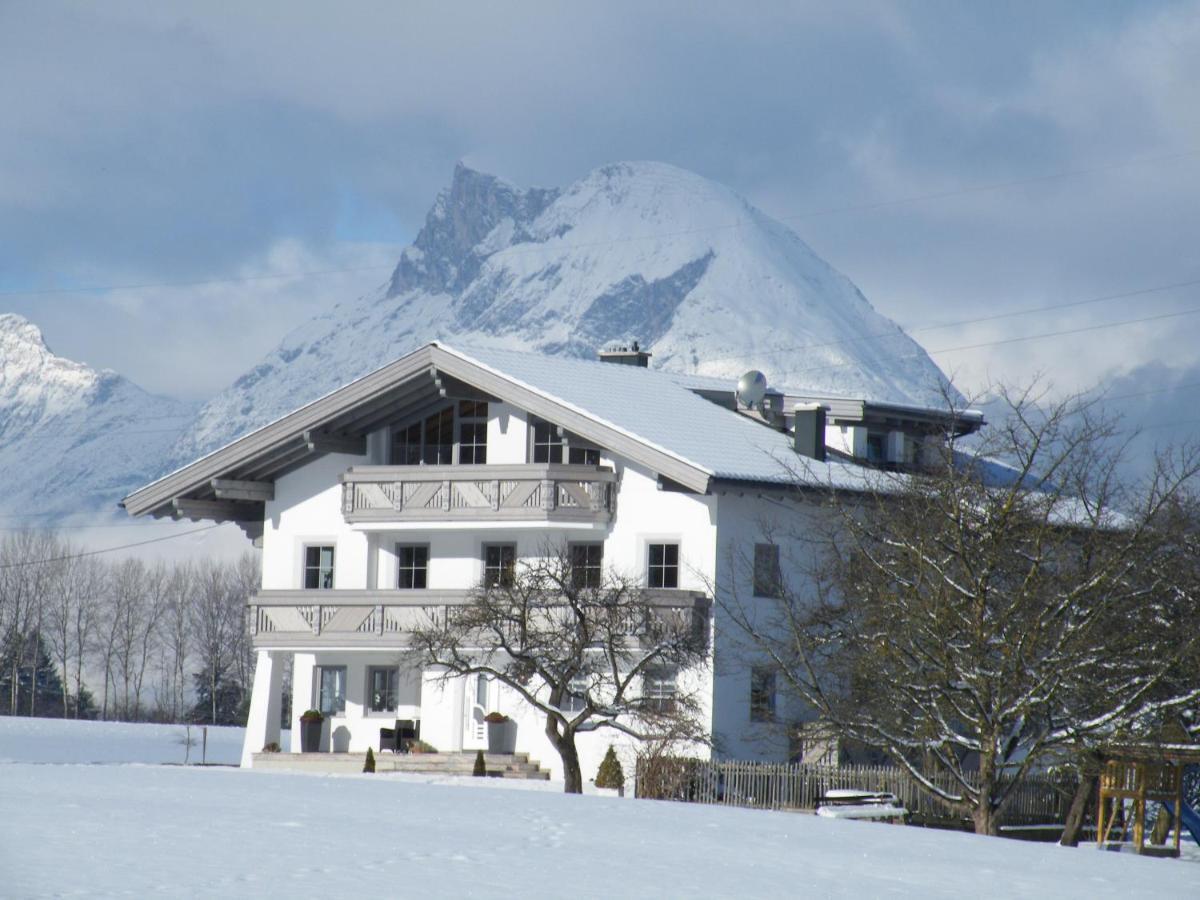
x=610 y=774
x=39 y=688
x=369 y=764
x=480 y=770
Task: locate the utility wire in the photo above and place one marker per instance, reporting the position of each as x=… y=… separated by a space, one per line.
x=81 y=555
x=905 y=333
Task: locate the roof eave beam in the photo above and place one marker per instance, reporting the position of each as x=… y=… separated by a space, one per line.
x=251 y=491
x=217 y=510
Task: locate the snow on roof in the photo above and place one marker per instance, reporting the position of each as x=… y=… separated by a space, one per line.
x=653 y=407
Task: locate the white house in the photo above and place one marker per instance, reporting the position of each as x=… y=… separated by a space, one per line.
x=394 y=496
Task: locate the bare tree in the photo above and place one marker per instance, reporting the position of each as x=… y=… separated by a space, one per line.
x=175 y=638
x=25 y=578
x=70 y=618
x=576 y=648
x=1005 y=606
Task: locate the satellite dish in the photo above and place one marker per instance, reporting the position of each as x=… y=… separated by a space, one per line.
x=751 y=388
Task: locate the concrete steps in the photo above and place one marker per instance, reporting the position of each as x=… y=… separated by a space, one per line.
x=499 y=765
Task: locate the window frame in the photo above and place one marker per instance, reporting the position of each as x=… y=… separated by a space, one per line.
x=505 y=575
x=397 y=549
x=471 y=415
x=393 y=688
x=319 y=690
x=663 y=567
x=655 y=694
x=305 y=568
x=587 y=580
x=576 y=695
x=764 y=688
x=553 y=444
x=769 y=584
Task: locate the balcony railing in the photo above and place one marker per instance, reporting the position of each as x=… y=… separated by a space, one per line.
x=501 y=493
x=298 y=619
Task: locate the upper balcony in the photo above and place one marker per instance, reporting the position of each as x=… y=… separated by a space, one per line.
x=495 y=494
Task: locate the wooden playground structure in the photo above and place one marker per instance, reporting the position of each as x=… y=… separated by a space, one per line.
x=1141 y=773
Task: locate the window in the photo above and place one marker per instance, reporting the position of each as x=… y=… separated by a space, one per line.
x=587 y=565
x=663 y=566
x=439 y=438
x=576 y=696
x=767 y=580
x=318 y=568
x=547 y=445
x=331 y=689
x=875 y=442
x=762 y=694
x=499 y=562
x=659 y=691
x=472 y=432
x=406 y=446
x=382 y=683
x=583 y=456
x=412 y=564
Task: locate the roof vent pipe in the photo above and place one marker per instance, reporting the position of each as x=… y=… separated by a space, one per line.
x=809 y=430
x=625 y=354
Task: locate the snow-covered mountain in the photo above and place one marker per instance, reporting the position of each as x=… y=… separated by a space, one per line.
x=634 y=250
x=73 y=439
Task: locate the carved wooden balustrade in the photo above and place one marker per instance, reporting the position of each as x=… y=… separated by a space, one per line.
x=500 y=493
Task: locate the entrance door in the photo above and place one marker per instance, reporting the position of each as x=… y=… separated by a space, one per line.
x=476 y=700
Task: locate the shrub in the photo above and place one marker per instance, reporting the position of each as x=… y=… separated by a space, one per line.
x=312 y=714
x=369 y=764
x=480 y=770
x=610 y=774
x=495 y=718
x=419 y=746
x=272 y=747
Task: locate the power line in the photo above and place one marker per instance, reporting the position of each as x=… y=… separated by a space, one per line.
x=81 y=555
x=529 y=248
x=904 y=333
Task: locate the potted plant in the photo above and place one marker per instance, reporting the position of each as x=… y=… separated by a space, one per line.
x=310 y=731
x=497 y=730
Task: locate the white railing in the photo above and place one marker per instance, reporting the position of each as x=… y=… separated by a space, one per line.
x=314 y=618
x=552 y=493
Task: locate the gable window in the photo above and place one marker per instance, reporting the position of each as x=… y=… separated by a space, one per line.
x=382 y=682
x=472 y=432
x=659 y=690
x=663 y=568
x=767 y=579
x=547 y=445
x=331 y=689
x=587 y=565
x=318 y=568
x=439 y=438
x=406 y=446
x=499 y=563
x=762 y=694
x=412 y=566
x=583 y=456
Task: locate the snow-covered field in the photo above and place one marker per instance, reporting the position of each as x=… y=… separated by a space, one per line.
x=142 y=830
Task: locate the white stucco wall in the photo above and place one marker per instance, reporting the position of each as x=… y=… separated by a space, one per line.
x=307 y=511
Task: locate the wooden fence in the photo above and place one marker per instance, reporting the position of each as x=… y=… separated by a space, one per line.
x=1039 y=799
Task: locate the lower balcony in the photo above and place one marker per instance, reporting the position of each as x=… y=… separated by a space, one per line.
x=377 y=619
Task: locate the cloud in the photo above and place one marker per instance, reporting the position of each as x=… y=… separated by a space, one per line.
x=174 y=142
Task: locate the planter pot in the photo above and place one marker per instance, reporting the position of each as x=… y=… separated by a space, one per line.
x=310 y=735
x=498 y=737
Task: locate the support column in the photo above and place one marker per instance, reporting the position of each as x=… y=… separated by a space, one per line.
x=262 y=725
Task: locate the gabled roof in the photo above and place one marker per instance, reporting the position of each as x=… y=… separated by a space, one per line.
x=645 y=415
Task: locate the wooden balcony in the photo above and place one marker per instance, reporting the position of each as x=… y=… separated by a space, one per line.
x=550 y=493
x=382 y=619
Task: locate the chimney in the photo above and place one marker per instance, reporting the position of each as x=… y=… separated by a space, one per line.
x=625 y=355
x=809 y=430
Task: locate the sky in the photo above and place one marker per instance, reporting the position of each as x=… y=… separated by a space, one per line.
x=182 y=183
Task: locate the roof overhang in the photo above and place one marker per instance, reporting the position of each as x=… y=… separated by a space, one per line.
x=234 y=482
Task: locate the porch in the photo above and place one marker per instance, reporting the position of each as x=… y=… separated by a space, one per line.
x=499 y=765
